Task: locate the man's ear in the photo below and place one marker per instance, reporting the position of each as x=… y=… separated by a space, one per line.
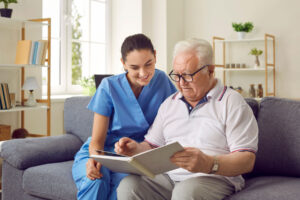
x=211 y=69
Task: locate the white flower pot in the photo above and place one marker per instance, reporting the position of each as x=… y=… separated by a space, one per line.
x=241 y=35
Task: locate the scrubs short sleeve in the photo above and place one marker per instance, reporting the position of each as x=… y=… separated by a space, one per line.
x=101 y=102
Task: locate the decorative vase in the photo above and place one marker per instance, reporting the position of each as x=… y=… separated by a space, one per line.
x=5 y=12
x=260 y=91
x=241 y=35
x=256 y=62
x=252 y=93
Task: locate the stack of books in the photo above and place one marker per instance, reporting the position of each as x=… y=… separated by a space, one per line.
x=5 y=102
x=31 y=52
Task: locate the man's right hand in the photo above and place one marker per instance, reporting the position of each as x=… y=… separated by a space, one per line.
x=93 y=169
x=126 y=146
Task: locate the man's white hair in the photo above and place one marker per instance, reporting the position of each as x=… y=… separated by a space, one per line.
x=201 y=47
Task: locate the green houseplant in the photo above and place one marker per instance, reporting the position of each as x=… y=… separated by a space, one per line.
x=6 y=12
x=242 y=28
x=88 y=85
x=256 y=52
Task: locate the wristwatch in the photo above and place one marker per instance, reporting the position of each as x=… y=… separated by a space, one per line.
x=215 y=166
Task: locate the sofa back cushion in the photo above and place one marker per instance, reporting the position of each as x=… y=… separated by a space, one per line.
x=279 y=138
x=253 y=105
x=78 y=120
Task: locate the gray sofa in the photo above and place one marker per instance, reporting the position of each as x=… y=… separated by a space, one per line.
x=40 y=168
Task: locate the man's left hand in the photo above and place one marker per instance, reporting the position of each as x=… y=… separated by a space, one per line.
x=193 y=160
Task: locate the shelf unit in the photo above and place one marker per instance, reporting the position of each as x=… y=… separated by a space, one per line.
x=42 y=104
x=268 y=68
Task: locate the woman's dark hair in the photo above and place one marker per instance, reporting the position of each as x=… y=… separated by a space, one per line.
x=135 y=42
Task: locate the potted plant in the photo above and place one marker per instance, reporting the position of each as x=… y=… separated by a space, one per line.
x=256 y=52
x=88 y=85
x=6 y=12
x=242 y=29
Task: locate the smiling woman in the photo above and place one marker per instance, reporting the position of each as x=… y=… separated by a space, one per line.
x=124 y=105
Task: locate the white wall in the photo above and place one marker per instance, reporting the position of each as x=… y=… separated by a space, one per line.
x=206 y=18
x=126 y=20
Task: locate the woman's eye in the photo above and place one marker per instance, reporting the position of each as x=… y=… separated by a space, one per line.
x=148 y=64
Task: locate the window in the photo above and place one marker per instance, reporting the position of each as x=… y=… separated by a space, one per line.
x=79 y=41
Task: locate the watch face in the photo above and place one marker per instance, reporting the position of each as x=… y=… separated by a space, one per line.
x=215 y=166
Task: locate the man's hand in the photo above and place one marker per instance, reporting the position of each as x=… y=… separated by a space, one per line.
x=126 y=146
x=93 y=169
x=193 y=160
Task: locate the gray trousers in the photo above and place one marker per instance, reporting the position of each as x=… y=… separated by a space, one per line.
x=134 y=187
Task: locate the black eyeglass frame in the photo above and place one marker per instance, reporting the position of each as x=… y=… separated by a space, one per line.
x=182 y=76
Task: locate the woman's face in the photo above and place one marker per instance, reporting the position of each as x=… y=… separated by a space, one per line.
x=140 y=65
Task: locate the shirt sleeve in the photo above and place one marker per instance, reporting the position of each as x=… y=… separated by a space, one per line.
x=101 y=102
x=155 y=135
x=242 y=129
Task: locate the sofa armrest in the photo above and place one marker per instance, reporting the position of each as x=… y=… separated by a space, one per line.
x=29 y=152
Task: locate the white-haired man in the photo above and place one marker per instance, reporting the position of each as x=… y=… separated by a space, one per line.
x=214 y=124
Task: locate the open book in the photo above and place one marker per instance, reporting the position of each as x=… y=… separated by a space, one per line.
x=149 y=163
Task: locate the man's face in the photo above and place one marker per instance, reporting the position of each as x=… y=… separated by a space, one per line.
x=188 y=63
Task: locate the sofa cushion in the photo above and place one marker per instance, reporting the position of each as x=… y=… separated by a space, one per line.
x=50 y=181
x=279 y=138
x=253 y=105
x=78 y=120
x=269 y=188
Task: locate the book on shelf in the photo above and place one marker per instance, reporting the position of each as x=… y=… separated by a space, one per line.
x=23 y=52
x=31 y=52
x=149 y=163
x=5 y=102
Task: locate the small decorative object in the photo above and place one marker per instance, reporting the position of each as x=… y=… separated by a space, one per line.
x=243 y=65
x=239 y=89
x=242 y=29
x=228 y=65
x=232 y=65
x=88 y=85
x=238 y=65
x=256 y=52
x=31 y=85
x=260 y=92
x=6 y=12
x=4 y=132
x=12 y=99
x=19 y=133
x=252 y=91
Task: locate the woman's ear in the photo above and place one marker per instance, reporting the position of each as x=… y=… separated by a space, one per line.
x=122 y=61
x=124 y=66
x=154 y=53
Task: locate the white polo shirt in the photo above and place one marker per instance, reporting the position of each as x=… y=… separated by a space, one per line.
x=221 y=123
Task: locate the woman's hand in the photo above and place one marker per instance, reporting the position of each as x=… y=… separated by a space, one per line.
x=93 y=169
x=126 y=146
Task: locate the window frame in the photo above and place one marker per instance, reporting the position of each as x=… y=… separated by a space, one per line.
x=65 y=55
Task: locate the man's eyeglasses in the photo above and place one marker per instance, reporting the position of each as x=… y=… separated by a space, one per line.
x=185 y=77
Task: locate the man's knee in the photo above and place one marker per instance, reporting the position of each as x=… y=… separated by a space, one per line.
x=129 y=187
x=189 y=190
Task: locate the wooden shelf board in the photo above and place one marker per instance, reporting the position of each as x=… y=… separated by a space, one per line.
x=245 y=69
x=25 y=108
x=241 y=41
x=18 y=24
x=15 y=66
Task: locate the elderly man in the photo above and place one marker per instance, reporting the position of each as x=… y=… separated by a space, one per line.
x=214 y=124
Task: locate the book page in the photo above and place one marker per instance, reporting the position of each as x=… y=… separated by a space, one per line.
x=117 y=164
x=158 y=160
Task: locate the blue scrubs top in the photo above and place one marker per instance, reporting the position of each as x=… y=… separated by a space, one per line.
x=129 y=116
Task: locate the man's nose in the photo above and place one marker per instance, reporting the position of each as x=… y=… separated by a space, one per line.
x=182 y=81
